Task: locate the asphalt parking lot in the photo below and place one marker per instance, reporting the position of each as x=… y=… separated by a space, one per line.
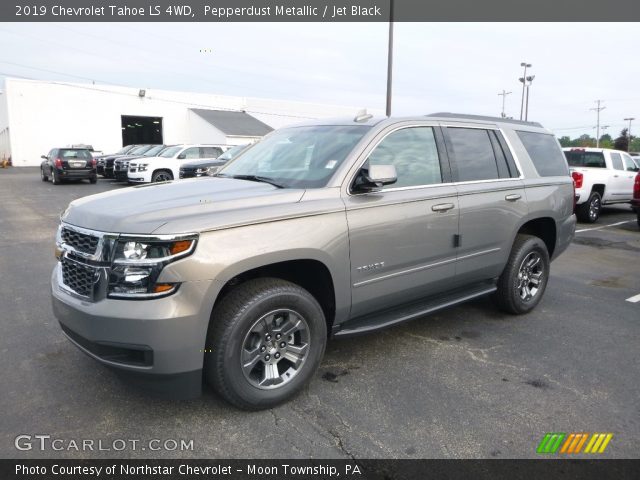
x=468 y=382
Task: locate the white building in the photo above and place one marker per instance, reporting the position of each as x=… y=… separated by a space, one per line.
x=36 y=116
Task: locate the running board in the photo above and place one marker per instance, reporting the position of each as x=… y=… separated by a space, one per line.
x=404 y=313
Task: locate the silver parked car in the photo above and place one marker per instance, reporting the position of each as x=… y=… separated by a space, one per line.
x=331 y=228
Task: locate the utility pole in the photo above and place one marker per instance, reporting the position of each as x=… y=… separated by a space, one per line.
x=390 y=59
x=504 y=96
x=630 y=119
x=523 y=80
x=598 y=109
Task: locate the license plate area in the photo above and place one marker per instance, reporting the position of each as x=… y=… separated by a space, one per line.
x=77 y=163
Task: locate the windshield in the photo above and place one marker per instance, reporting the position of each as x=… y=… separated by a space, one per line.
x=152 y=152
x=140 y=150
x=233 y=152
x=124 y=150
x=299 y=157
x=170 y=152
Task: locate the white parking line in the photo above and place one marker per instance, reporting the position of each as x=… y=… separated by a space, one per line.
x=634 y=299
x=604 y=226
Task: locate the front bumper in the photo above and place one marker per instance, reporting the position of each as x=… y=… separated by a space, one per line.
x=158 y=343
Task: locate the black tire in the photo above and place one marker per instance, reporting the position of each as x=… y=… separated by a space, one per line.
x=638 y=212
x=233 y=324
x=93 y=179
x=589 y=211
x=54 y=178
x=518 y=276
x=161 y=176
x=43 y=177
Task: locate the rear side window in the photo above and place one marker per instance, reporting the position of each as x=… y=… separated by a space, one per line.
x=70 y=154
x=580 y=158
x=545 y=153
x=473 y=153
x=616 y=160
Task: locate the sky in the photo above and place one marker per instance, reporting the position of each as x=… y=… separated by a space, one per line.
x=452 y=67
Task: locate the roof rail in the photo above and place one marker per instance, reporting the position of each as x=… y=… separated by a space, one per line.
x=484 y=118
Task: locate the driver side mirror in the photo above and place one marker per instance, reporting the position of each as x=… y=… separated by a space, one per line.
x=44 y=157
x=375 y=177
x=182 y=156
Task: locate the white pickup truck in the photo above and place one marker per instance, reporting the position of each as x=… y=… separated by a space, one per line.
x=602 y=177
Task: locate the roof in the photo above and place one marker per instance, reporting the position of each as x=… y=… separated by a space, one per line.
x=234 y=123
x=481 y=118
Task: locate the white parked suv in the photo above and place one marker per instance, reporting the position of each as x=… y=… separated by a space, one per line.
x=166 y=166
x=602 y=177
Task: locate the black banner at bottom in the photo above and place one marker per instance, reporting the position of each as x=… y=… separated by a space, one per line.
x=316 y=469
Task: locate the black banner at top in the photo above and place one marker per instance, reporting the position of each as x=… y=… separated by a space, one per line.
x=317 y=10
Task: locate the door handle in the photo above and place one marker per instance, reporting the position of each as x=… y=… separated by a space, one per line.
x=442 y=207
x=513 y=197
x=615 y=176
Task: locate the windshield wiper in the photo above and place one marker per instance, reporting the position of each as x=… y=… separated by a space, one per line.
x=253 y=178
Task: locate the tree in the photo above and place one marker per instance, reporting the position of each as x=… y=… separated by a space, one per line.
x=622 y=142
x=565 y=141
x=606 y=141
x=585 y=141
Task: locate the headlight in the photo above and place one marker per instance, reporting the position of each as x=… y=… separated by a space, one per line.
x=200 y=171
x=138 y=262
x=211 y=171
x=142 y=167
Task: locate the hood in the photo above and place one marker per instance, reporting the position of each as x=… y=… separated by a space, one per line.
x=180 y=207
x=202 y=163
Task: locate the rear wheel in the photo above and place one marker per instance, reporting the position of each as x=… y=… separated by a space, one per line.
x=524 y=279
x=589 y=211
x=162 y=176
x=43 y=176
x=266 y=340
x=93 y=179
x=54 y=178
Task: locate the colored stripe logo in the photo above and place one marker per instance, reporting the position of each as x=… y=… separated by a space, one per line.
x=573 y=443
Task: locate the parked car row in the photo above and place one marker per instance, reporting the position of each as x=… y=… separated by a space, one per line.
x=137 y=163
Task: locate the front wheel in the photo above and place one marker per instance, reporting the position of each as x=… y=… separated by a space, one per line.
x=161 y=176
x=524 y=279
x=265 y=341
x=589 y=211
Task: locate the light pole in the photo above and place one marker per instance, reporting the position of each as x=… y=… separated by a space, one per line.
x=630 y=119
x=504 y=96
x=524 y=76
x=390 y=59
x=526 y=110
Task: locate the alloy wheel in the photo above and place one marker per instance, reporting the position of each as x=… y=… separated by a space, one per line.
x=530 y=274
x=275 y=349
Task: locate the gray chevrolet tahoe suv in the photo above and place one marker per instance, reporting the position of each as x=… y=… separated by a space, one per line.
x=332 y=228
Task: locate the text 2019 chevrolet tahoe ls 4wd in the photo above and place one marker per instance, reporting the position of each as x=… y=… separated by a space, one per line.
x=332 y=228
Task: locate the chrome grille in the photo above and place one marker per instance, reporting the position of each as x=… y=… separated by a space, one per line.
x=80 y=241
x=78 y=277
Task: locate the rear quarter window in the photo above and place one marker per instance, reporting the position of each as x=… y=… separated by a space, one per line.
x=545 y=153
